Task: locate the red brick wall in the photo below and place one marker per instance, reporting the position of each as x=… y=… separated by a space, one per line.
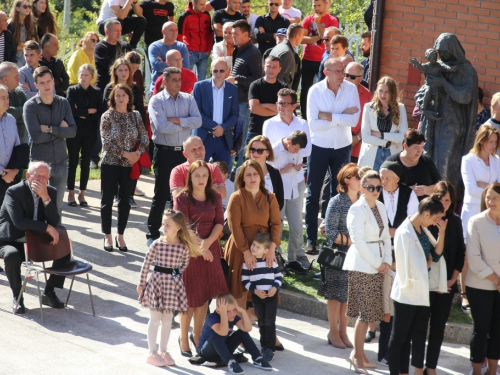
x=412 y=26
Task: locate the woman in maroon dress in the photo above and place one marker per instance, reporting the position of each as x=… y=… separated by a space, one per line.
x=204 y=278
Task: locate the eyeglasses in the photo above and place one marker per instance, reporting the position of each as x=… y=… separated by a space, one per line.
x=275 y=4
x=352 y=76
x=259 y=151
x=283 y=104
x=325 y=39
x=27 y=6
x=215 y=71
x=372 y=188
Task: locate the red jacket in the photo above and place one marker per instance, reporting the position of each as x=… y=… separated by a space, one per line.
x=195 y=30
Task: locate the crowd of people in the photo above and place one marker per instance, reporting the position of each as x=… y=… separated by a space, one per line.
x=236 y=148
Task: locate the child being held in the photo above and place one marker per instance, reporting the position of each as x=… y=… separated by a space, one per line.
x=218 y=339
x=164 y=292
x=264 y=282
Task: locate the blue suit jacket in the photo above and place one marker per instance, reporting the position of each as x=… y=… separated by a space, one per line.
x=202 y=93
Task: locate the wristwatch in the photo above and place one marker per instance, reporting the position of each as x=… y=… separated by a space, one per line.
x=46 y=203
x=382 y=135
x=49 y=129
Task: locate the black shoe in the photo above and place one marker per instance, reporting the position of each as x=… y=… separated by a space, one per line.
x=317 y=276
x=18 y=309
x=124 y=248
x=312 y=251
x=191 y=338
x=52 y=300
x=279 y=347
x=370 y=335
x=107 y=248
x=184 y=353
x=1 y=269
x=296 y=267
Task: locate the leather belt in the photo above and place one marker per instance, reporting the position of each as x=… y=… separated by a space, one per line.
x=171 y=148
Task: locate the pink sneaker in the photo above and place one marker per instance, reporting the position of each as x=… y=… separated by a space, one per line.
x=167 y=358
x=156 y=360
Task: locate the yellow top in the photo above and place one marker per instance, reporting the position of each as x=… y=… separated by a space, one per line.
x=77 y=59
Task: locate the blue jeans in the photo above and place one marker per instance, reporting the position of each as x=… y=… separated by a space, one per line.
x=382 y=155
x=250 y=135
x=245 y=114
x=200 y=59
x=223 y=346
x=320 y=161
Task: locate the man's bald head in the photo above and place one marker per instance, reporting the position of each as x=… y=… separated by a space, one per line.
x=346 y=60
x=174 y=58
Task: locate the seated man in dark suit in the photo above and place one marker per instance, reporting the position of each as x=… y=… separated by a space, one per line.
x=29 y=205
x=217 y=101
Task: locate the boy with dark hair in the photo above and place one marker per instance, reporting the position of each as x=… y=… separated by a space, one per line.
x=264 y=282
x=218 y=340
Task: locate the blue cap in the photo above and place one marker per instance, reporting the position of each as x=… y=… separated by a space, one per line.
x=281 y=31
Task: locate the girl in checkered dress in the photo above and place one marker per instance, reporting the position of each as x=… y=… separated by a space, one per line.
x=164 y=292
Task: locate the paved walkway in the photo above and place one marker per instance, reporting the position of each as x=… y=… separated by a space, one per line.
x=72 y=341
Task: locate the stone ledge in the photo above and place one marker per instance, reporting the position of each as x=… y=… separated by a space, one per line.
x=455 y=333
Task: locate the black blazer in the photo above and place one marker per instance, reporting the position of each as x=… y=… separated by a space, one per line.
x=10 y=49
x=18 y=207
x=80 y=101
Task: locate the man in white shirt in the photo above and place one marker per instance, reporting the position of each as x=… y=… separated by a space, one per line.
x=333 y=109
x=251 y=18
x=292 y=14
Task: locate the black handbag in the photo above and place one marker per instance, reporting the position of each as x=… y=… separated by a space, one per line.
x=330 y=257
x=20 y=157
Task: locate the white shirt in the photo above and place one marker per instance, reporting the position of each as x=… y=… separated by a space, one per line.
x=290 y=13
x=275 y=129
x=220 y=51
x=391 y=204
x=218 y=102
x=229 y=190
x=292 y=178
x=336 y=133
x=251 y=20
x=107 y=12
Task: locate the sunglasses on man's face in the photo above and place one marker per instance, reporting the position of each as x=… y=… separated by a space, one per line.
x=259 y=151
x=275 y=4
x=351 y=76
x=372 y=188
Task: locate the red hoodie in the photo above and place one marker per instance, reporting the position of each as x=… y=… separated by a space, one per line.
x=195 y=30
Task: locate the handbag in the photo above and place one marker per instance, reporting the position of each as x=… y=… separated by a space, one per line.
x=143 y=161
x=330 y=257
x=20 y=157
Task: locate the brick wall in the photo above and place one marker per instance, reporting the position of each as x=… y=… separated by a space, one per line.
x=412 y=26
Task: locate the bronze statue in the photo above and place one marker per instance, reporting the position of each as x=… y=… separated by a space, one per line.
x=449 y=125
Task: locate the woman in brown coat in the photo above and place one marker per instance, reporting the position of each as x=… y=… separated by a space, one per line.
x=251 y=210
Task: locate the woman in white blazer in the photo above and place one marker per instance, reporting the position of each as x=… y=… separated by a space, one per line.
x=480 y=167
x=483 y=281
x=415 y=251
x=383 y=125
x=367 y=260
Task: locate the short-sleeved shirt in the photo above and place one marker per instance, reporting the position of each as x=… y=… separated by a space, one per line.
x=179 y=175
x=424 y=173
x=107 y=12
x=314 y=52
x=207 y=331
x=290 y=13
x=218 y=4
x=156 y=14
x=222 y=17
x=265 y=93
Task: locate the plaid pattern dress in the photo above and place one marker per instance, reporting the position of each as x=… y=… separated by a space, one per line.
x=162 y=291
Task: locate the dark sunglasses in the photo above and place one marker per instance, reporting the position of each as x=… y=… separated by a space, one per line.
x=215 y=71
x=351 y=76
x=27 y=6
x=275 y=4
x=372 y=188
x=259 y=151
x=325 y=39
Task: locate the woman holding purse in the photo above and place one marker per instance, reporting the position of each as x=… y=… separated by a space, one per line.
x=121 y=130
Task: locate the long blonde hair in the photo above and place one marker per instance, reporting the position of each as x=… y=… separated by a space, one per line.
x=483 y=134
x=185 y=235
x=393 y=103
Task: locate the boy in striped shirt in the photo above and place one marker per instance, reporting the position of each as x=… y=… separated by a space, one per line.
x=263 y=282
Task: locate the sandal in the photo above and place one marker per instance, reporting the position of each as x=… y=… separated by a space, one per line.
x=72 y=204
x=83 y=204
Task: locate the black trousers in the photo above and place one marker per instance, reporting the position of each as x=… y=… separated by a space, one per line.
x=84 y=144
x=266 y=310
x=4 y=186
x=13 y=255
x=485 y=310
x=383 y=340
x=408 y=321
x=309 y=71
x=137 y=25
x=164 y=162
x=113 y=176
x=437 y=316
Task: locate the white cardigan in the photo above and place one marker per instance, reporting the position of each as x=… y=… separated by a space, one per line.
x=370 y=143
x=474 y=170
x=411 y=283
x=363 y=228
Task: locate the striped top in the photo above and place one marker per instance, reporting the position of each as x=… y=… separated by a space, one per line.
x=261 y=277
x=2 y=47
x=384 y=124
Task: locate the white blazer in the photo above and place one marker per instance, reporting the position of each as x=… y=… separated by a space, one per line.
x=474 y=170
x=411 y=283
x=370 y=143
x=363 y=228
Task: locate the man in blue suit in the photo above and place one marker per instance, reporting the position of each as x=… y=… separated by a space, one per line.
x=217 y=101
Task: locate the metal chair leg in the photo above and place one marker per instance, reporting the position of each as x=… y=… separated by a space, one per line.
x=69 y=292
x=91 y=297
x=39 y=296
x=23 y=288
